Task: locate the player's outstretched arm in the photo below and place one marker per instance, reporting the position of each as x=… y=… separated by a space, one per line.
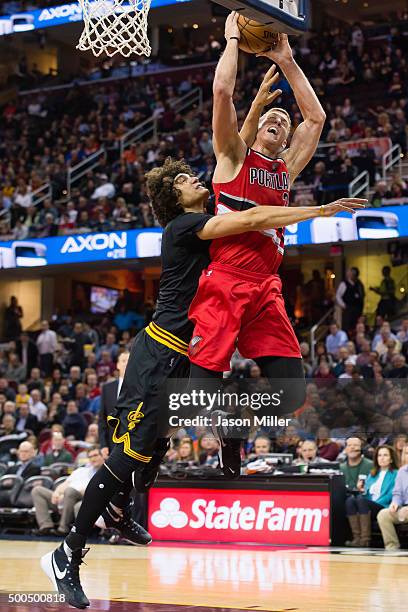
x=263 y=98
x=269 y=217
x=226 y=139
x=306 y=137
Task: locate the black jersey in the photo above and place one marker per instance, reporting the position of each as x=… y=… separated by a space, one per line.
x=184 y=256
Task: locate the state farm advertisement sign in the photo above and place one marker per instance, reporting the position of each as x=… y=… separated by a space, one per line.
x=266 y=517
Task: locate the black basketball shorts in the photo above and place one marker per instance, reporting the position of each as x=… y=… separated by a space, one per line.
x=142 y=406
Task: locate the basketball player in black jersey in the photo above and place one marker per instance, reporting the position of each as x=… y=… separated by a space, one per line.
x=159 y=351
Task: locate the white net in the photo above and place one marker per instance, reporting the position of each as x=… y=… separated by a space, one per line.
x=115 y=26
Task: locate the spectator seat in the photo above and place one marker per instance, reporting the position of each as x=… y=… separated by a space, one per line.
x=59 y=481
x=9 y=444
x=10 y=486
x=62 y=469
x=24 y=498
x=49 y=471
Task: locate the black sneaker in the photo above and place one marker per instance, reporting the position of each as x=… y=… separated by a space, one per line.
x=129 y=530
x=229 y=453
x=132 y=532
x=63 y=571
x=146 y=477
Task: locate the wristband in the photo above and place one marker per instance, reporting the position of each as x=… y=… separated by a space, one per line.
x=234 y=38
x=321 y=211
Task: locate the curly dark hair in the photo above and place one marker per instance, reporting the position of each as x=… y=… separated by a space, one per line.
x=164 y=196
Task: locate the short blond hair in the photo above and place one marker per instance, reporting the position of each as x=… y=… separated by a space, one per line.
x=275 y=108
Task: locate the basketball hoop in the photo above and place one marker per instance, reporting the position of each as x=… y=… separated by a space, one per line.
x=115 y=26
x=289 y=16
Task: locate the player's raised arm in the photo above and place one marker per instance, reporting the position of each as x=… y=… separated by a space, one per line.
x=226 y=139
x=307 y=135
x=263 y=98
x=268 y=217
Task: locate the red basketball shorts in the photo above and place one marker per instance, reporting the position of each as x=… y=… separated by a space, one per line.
x=235 y=308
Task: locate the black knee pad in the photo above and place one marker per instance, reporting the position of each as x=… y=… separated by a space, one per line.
x=291 y=394
x=286 y=377
x=121 y=465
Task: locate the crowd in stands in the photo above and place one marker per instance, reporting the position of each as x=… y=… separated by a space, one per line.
x=40 y=138
x=361 y=81
x=51 y=385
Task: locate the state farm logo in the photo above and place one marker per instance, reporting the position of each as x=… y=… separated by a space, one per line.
x=169 y=515
x=205 y=513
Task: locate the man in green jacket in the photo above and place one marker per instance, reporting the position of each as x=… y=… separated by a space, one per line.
x=57 y=453
x=356 y=464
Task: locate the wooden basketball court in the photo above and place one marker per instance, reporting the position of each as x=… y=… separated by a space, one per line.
x=172 y=577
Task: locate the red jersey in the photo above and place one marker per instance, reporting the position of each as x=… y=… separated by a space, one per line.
x=262 y=181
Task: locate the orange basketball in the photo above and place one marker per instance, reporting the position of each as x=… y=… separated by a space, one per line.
x=256 y=37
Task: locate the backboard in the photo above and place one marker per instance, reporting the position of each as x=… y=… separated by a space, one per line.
x=289 y=16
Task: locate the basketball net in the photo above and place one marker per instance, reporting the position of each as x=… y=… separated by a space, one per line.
x=115 y=26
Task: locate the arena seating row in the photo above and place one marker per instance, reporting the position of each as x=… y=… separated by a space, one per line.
x=67 y=127
x=53 y=471
x=16 y=502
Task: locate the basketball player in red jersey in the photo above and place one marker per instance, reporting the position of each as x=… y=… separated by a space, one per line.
x=239 y=301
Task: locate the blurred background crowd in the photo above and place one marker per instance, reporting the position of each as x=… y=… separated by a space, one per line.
x=359 y=73
x=75 y=145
